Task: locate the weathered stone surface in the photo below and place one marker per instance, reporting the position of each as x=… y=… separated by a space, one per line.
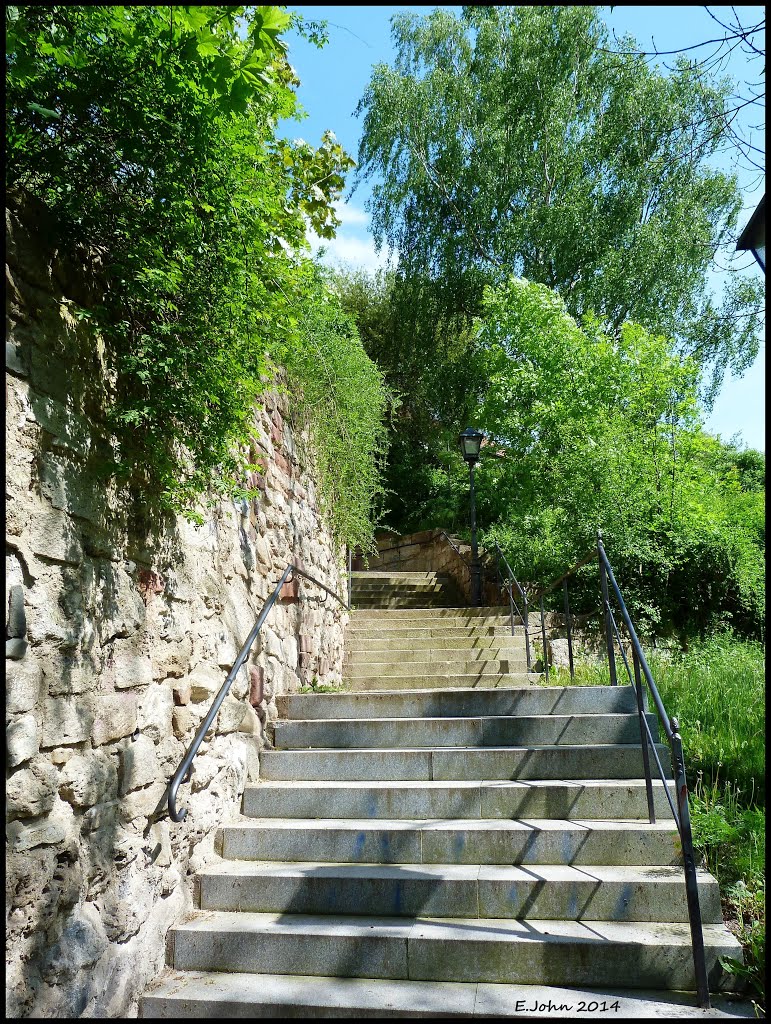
x=66 y=720
x=182 y=691
x=559 y=656
x=131 y=664
x=67 y=488
x=142 y=802
x=230 y=715
x=183 y=722
x=23 y=686
x=22 y=738
x=58 y=828
x=16 y=648
x=154 y=717
x=17 y=619
x=53 y=536
x=138 y=764
x=204 y=682
x=172 y=658
x=88 y=778
x=114 y=717
x=116 y=608
x=31 y=791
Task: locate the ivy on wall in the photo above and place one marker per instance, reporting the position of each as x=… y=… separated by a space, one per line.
x=150 y=133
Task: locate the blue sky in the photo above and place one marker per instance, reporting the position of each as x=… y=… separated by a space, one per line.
x=333 y=80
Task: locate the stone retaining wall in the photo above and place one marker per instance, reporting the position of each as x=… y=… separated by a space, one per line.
x=121 y=626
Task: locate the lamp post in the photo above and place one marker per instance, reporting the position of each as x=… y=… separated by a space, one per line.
x=470 y=442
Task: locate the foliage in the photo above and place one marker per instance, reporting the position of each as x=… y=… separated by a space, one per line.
x=150 y=132
x=341 y=394
x=715 y=690
x=510 y=140
x=588 y=431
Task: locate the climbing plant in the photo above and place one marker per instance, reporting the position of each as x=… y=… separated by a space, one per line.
x=151 y=134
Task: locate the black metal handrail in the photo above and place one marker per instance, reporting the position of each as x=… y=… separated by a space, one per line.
x=185 y=769
x=672 y=732
x=505 y=584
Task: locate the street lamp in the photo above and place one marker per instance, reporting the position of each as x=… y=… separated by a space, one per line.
x=470 y=442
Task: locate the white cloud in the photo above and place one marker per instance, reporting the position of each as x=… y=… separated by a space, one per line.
x=345 y=248
x=351 y=216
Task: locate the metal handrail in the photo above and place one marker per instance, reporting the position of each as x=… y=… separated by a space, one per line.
x=672 y=732
x=185 y=769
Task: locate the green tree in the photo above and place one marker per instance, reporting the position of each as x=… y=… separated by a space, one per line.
x=509 y=140
x=150 y=133
x=594 y=430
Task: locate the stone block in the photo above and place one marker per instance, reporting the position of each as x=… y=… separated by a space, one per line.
x=88 y=779
x=68 y=488
x=138 y=764
x=80 y=945
x=23 y=686
x=558 y=653
x=142 y=803
x=53 y=536
x=22 y=737
x=290 y=591
x=115 y=717
x=69 y=430
x=172 y=658
x=250 y=723
x=256 y=685
x=31 y=791
x=230 y=715
x=204 y=682
x=155 y=709
x=66 y=720
x=17 y=619
x=58 y=828
x=131 y=664
x=16 y=648
x=183 y=722
x=270 y=643
x=182 y=691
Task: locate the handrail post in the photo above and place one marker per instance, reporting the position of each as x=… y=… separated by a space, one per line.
x=543 y=637
x=606 y=615
x=349 y=576
x=643 y=737
x=570 y=631
x=527 y=630
x=689 y=863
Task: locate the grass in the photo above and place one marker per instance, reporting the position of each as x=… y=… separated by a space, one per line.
x=716 y=690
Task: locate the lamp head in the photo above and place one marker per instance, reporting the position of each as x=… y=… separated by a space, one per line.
x=470 y=442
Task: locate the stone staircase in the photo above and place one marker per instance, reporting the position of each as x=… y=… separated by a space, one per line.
x=446 y=838
x=404 y=590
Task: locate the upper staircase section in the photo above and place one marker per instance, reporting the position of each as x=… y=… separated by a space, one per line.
x=404 y=590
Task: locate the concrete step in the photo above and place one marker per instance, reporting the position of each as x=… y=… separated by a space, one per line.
x=466 y=616
x=610 y=798
x=543 y=892
x=388 y=655
x=457 y=841
x=406 y=666
x=386 y=576
x=409 y=633
x=614 y=761
x=402 y=601
x=432 y=703
x=221 y=995
x=497 y=731
x=418 y=679
x=402 y=587
x=363 y=647
x=496 y=950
